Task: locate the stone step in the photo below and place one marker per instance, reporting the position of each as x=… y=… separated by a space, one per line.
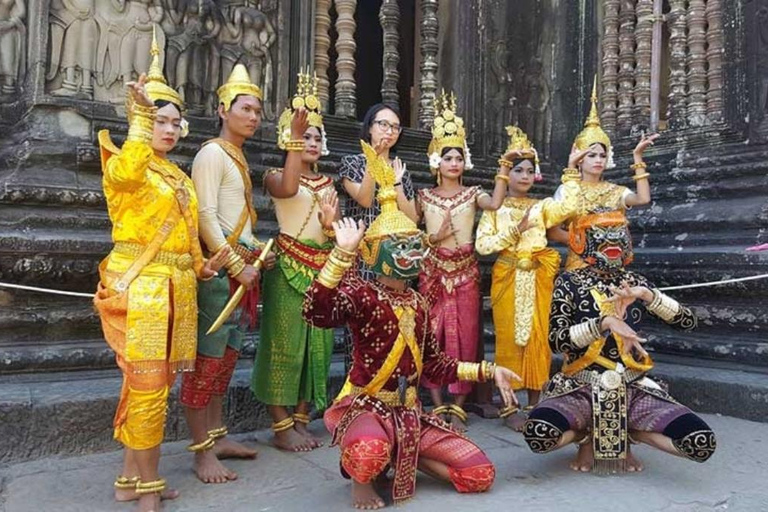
x=67 y=414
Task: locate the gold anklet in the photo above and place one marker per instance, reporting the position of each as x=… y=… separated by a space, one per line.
x=459 y=412
x=123 y=482
x=217 y=433
x=281 y=426
x=508 y=411
x=302 y=418
x=150 y=487
x=201 y=447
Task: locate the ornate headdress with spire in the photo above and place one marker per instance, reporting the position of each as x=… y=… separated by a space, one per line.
x=239 y=82
x=391 y=221
x=157 y=87
x=447 y=132
x=518 y=141
x=593 y=133
x=306 y=96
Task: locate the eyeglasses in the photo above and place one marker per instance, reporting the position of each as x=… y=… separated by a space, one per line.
x=387 y=126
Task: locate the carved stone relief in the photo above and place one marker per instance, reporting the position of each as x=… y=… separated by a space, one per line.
x=13 y=41
x=96 y=46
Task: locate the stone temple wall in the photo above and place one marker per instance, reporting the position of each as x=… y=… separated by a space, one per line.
x=63 y=65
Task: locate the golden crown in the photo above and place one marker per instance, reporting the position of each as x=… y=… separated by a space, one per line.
x=593 y=133
x=447 y=128
x=391 y=221
x=518 y=141
x=306 y=96
x=239 y=82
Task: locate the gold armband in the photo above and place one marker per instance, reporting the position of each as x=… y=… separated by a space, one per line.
x=503 y=162
x=468 y=372
x=142 y=124
x=338 y=262
x=639 y=165
x=643 y=176
x=295 y=145
x=501 y=177
x=570 y=174
x=664 y=306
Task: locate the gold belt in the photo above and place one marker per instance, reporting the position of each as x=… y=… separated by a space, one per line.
x=391 y=398
x=450 y=266
x=608 y=379
x=513 y=261
x=172 y=259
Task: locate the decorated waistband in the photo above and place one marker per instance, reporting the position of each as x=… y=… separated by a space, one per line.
x=391 y=398
x=450 y=264
x=181 y=261
x=312 y=257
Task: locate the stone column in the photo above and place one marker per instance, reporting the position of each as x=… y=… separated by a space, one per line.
x=610 y=95
x=678 y=80
x=715 y=52
x=643 y=52
x=428 y=68
x=697 y=63
x=389 y=16
x=627 y=65
x=322 y=45
x=346 y=101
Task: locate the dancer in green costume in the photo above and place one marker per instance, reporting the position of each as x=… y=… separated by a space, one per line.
x=293 y=358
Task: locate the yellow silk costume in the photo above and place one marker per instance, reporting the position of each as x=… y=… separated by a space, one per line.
x=148 y=310
x=529 y=357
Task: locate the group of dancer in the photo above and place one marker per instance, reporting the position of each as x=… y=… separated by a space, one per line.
x=184 y=246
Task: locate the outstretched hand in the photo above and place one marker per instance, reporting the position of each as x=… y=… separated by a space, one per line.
x=631 y=341
x=329 y=205
x=625 y=295
x=138 y=92
x=503 y=378
x=349 y=233
x=645 y=142
x=299 y=123
x=213 y=265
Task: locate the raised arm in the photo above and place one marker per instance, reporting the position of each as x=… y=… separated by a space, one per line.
x=643 y=194
x=286 y=184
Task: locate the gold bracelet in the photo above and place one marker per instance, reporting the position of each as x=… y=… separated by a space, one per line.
x=489 y=371
x=643 y=176
x=468 y=372
x=329 y=232
x=141 y=128
x=503 y=162
x=236 y=268
x=333 y=271
x=295 y=145
x=570 y=170
x=501 y=177
x=343 y=254
x=639 y=165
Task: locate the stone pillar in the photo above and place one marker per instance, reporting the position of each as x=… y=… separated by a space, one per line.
x=643 y=52
x=428 y=68
x=697 y=63
x=322 y=45
x=610 y=95
x=627 y=65
x=389 y=16
x=346 y=101
x=678 y=80
x=715 y=51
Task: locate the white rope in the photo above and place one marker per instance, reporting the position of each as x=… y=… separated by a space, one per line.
x=714 y=283
x=45 y=290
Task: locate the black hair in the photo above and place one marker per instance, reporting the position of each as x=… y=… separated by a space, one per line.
x=162 y=103
x=370 y=117
x=531 y=160
x=446 y=150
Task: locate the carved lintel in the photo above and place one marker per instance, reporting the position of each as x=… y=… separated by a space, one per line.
x=389 y=16
x=428 y=48
x=346 y=99
x=609 y=80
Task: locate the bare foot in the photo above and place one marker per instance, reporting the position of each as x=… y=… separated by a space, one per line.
x=364 y=497
x=123 y=495
x=149 y=503
x=516 y=422
x=210 y=471
x=301 y=428
x=634 y=465
x=457 y=425
x=584 y=459
x=291 y=441
x=226 y=448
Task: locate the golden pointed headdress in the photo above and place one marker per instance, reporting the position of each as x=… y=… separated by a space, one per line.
x=306 y=96
x=391 y=221
x=239 y=82
x=447 y=131
x=593 y=133
x=157 y=87
x=518 y=141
